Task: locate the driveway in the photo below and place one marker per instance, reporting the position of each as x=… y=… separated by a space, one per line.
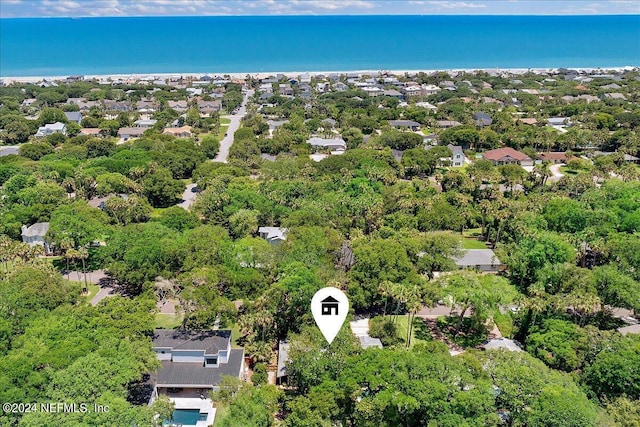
x=555 y=172
x=9 y=150
x=188 y=197
x=226 y=142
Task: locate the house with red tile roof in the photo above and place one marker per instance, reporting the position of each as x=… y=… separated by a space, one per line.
x=507 y=155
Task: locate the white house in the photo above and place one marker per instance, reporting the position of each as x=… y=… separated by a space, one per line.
x=34 y=235
x=50 y=129
x=273 y=234
x=457 y=157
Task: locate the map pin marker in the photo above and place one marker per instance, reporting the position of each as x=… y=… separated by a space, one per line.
x=329 y=307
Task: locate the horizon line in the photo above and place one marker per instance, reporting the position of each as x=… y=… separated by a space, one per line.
x=316 y=15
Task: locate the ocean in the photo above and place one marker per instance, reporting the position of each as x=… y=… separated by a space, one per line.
x=145 y=45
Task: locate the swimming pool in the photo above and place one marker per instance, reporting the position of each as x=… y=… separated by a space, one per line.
x=187 y=417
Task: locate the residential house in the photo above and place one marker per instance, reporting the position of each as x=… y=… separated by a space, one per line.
x=145 y=123
x=589 y=98
x=29 y=102
x=480 y=259
x=457 y=157
x=427 y=105
x=322 y=87
x=208 y=107
x=192 y=364
x=146 y=106
x=393 y=93
x=50 y=129
x=528 y=121
x=430 y=90
x=340 y=87
x=127 y=133
x=615 y=95
x=179 y=106
x=35 y=235
x=405 y=124
x=73 y=116
x=413 y=90
x=627 y=158
x=90 y=131
x=482 y=119
x=554 y=157
x=285 y=89
x=119 y=106
x=334 y=144
x=559 y=121
x=507 y=155
x=373 y=91
x=85 y=106
x=445 y=124
x=273 y=234
x=179 y=132
x=282 y=375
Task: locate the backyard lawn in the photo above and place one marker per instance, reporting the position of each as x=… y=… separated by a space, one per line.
x=168 y=321
x=473 y=244
x=419 y=333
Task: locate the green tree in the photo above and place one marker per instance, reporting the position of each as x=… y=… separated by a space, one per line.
x=161 y=189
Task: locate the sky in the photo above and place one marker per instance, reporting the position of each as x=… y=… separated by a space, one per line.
x=50 y=8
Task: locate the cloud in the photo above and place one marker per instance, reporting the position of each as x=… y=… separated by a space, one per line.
x=456 y=5
x=17 y=8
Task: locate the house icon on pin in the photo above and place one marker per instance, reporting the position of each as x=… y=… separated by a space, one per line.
x=329 y=305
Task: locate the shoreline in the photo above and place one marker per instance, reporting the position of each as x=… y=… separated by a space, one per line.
x=264 y=74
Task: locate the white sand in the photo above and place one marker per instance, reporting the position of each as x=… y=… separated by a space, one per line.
x=163 y=76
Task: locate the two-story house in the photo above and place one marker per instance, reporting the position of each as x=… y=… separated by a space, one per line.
x=193 y=362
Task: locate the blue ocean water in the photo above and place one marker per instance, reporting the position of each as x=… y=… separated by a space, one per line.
x=66 y=46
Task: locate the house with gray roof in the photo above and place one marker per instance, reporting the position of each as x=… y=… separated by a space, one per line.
x=457 y=155
x=334 y=144
x=192 y=363
x=127 y=133
x=273 y=234
x=74 y=116
x=50 y=129
x=482 y=119
x=405 y=124
x=480 y=259
x=35 y=235
x=283 y=358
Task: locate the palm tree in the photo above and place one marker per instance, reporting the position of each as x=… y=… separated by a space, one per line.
x=67 y=244
x=414 y=304
x=83 y=254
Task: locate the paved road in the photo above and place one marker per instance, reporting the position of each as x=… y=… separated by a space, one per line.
x=188 y=197
x=8 y=150
x=226 y=142
x=555 y=172
x=102 y=294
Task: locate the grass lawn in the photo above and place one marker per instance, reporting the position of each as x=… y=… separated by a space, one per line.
x=224 y=121
x=572 y=172
x=472 y=232
x=93 y=290
x=504 y=322
x=419 y=333
x=168 y=321
x=222 y=132
x=473 y=244
x=221 y=411
x=235 y=335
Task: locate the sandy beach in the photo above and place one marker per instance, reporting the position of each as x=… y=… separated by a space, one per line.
x=259 y=75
